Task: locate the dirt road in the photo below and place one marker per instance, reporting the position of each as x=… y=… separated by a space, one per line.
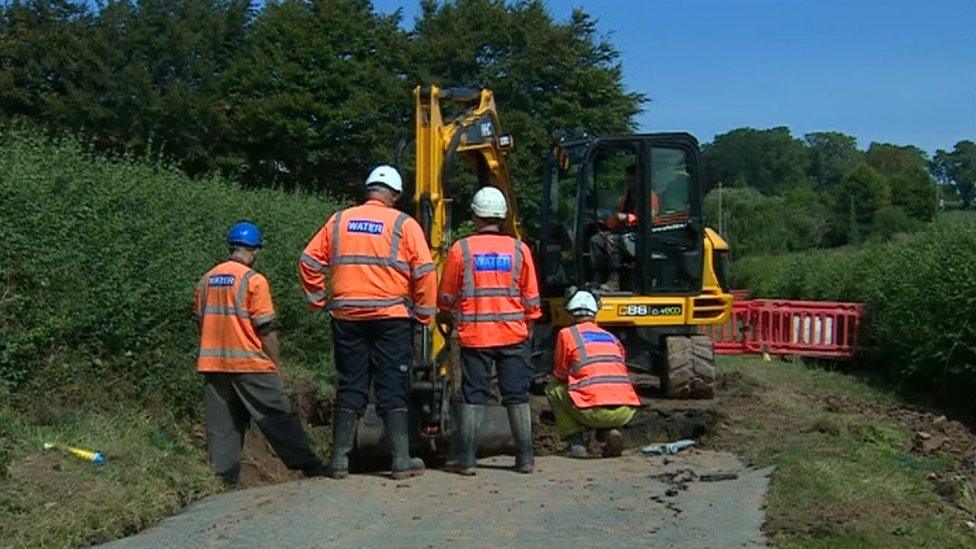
x=633 y=501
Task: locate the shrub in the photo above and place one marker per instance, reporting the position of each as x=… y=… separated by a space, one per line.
x=920 y=293
x=100 y=257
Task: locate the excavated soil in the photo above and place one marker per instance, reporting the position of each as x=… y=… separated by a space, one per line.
x=658 y=421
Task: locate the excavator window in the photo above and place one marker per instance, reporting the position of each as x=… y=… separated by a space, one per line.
x=609 y=224
x=560 y=244
x=671 y=187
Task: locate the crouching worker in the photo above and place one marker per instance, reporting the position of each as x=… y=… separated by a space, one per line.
x=591 y=386
x=239 y=360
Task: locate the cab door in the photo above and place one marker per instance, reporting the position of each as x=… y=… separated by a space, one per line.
x=672 y=226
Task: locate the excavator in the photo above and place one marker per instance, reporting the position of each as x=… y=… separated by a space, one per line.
x=671 y=278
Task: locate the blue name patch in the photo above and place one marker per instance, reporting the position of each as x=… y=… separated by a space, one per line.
x=365 y=226
x=493 y=262
x=598 y=337
x=221 y=280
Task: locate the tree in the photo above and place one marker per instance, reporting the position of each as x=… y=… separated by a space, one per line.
x=547 y=76
x=755 y=223
x=914 y=191
x=832 y=154
x=890 y=221
x=769 y=160
x=316 y=97
x=957 y=168
x=41 y=42
x=151 y=76
x=867 y=189
x=891 y=159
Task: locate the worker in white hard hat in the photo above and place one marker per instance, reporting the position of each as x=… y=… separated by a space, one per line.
x=381 y=276
x=591 y=386
x=489 y=289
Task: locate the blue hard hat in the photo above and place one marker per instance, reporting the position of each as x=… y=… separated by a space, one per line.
x=245 y=233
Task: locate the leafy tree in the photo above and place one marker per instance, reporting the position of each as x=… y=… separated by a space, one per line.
x=890 y=221
x=316 y=97
x=770 y=160
x=832 y=154
x=867 y=189
x=758 y=224
x=891 y=159
x=914 y=191
x=905 y=168
x=151 y=76
x=958 y=169
x=547 y=76
x=41 y=42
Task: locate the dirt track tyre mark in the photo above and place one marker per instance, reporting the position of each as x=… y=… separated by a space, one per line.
x=689 y=370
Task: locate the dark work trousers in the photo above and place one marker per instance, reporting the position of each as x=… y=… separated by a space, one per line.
x=231 y=401
x=514 y=373
x=372 y=351
x=605 y=254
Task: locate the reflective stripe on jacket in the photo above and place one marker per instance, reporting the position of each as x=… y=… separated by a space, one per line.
x=489 y=283
x=591 y=361
x=232 y=301
x=379 y=266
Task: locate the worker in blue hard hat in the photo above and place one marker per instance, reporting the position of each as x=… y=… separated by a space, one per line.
x=239 y=360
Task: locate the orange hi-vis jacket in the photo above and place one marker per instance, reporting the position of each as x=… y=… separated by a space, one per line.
x=623 y=207
x=490 y=285
x=590 y=360
x=379 y=264
x=232 y=302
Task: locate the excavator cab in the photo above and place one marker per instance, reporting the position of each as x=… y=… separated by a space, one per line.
x=629 y=204
x=627 y=210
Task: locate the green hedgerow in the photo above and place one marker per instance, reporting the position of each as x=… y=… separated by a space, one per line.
x=920 y=294
x=99 y=259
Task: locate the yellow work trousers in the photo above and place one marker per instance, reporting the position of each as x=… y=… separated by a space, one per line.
x=571 y=420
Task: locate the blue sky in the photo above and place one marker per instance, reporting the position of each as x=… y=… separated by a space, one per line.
x=894 y=71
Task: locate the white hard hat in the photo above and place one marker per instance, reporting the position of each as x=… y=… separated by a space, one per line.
x=489 y=203
x=583 y=303
x=385 y=175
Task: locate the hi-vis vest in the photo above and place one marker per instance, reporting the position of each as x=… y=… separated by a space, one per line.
x=232 y=300
x=591 y=362
x=379 y=264
x=489 y=283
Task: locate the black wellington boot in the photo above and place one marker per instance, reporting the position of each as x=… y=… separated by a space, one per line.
x=463 y=449
x=520 y=420
x=397 y=426
x=343 y=433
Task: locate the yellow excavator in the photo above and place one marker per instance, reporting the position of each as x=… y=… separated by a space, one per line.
x=669 y=268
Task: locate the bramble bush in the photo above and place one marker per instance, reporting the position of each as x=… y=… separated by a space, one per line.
x=98 y=262
x=920 y=294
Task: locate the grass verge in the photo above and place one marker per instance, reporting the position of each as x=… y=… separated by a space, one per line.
x=157 y=463
x=849 y=469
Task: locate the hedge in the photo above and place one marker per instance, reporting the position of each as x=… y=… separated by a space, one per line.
x=920 y=293
x=98 y=262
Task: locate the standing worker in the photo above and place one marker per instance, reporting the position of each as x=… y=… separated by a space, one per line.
x=489 y=284
x=381 y=276
x=239 y=360
x=591 y=386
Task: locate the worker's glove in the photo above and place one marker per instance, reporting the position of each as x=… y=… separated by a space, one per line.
x=445 y=320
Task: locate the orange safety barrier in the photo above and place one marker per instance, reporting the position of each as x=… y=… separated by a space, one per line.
x=822 y=329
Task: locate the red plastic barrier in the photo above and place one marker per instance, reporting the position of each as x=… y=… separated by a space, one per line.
x=730 y=338
x=820 y=329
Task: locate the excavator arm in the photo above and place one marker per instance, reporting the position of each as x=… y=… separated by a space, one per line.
x=475 y=133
